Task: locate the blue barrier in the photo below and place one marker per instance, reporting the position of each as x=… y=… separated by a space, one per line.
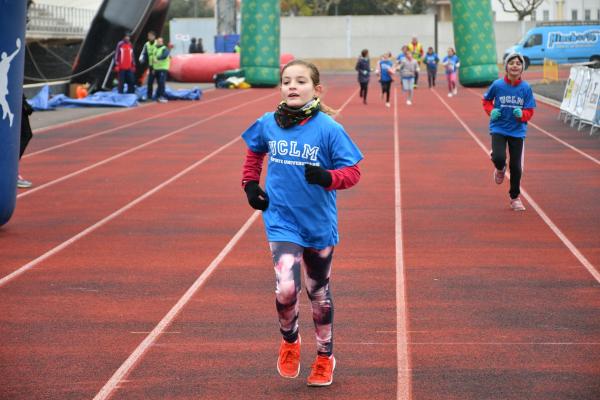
x=12 y=57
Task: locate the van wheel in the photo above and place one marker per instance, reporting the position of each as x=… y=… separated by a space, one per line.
x=526 y=63
x=596 y=60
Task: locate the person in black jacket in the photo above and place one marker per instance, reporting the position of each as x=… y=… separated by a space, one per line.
x=26 y=135
x=363 y=68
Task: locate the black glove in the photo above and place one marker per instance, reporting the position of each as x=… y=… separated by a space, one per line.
x=257 y=198
x=317 y=175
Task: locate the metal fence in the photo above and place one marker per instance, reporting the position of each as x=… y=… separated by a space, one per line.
x=58 y=21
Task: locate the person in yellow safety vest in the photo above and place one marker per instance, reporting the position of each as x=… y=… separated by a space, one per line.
x=417 y=52
x=147 y=58
x=162 y=61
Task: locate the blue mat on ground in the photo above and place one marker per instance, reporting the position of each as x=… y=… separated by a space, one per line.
x=181 y=94
x=43 y=102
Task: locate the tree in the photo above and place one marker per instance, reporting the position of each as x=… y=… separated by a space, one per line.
x=522 y=8
x=189 y=9
x=296 y=8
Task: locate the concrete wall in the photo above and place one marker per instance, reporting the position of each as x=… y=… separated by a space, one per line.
x=343 y=37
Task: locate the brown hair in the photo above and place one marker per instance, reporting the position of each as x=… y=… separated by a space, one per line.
x=315 y=76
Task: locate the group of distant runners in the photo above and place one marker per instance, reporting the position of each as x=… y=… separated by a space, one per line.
x=408 y=65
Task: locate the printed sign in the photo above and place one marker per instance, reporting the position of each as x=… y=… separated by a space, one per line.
x=573 y=39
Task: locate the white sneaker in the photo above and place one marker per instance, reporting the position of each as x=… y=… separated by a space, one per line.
x=455 y=91
x=450 y=94
x=387 y=105
x=517 y=204
x=409 y=102
x=162 y=100
x=23 y=183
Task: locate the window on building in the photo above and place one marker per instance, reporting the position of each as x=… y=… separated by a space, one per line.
x=573 y=15
x=546 y=16
x=533 y=15
x=588 y=15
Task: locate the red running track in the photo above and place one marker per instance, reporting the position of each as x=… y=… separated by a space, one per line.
x=137 y=270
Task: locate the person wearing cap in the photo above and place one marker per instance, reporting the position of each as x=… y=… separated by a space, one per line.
x=125 y=64
x=510 y=103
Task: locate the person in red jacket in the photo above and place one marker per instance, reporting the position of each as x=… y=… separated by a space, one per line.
x=125 y=64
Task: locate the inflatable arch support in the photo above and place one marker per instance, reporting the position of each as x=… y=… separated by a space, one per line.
x=260 y=42
x=475 y=41
x=12 y=58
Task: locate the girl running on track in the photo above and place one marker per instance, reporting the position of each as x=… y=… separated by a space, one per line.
x=409 y=70
x=310 y=157
x=431 y=60
x=363 y=67
x=385 y=71
x=452 y=63
x=509 y=102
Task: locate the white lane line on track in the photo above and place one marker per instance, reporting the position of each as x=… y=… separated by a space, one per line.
x=131 y=150
x=116 y=128
x=150 y=340
x=89 y=117
x=112 y=216
x=403 y=391
x=141 y=349
x=563 y=238
x=545 y=132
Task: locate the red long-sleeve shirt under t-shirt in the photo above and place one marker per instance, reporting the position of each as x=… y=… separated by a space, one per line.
x=488 y=105
x=342 y=178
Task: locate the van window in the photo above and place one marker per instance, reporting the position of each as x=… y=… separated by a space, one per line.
x=534 y=40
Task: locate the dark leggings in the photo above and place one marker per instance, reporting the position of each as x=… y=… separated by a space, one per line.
x=431 y=73
x=287 y=260
x=516 y=150
x=385 y=89
x=364 y=88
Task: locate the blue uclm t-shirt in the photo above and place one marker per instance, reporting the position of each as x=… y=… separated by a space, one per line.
x=299 y=212
x=506 y=98
x=384 y=70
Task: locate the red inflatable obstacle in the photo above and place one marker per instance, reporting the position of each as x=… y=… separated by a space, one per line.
x=202 y=67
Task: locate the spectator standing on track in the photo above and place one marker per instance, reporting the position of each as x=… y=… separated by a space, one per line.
x=310 y=157
x=416 y=49
x=510 y=103
x=451 y=63
x=162 y=61
x=147 y=58
x=26 y=135
x=125 y=64
x=385 y=71
x=409 y=69
x=363 y=67
x=431 y=61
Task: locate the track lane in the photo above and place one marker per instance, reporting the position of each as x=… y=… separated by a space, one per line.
x=208 y=353
x=487 y=287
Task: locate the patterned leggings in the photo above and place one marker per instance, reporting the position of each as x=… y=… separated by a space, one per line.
x=287 y=260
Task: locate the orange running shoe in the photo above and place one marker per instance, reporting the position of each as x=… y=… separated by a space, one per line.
x=288 y=362
x=321 y=373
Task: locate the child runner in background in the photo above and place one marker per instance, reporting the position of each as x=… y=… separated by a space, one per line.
x=402 y=54
x=385 y=71
x=409 y=68
x=431 y=60
x=509 y=102
x=363 y=67
x=452 y=63
x=310 y=157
